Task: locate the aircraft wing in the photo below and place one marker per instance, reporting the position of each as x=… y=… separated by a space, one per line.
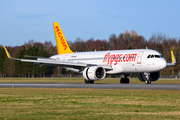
x=53 y=62
x=36 y=57
x=173 y=59
x=46 y=61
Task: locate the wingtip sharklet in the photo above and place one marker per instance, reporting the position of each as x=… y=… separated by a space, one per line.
x=173 y=58
x=7 y=53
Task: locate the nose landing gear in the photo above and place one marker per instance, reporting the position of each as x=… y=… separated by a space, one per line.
x=147 y=81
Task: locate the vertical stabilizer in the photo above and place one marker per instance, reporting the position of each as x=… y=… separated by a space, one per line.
x=61 y=43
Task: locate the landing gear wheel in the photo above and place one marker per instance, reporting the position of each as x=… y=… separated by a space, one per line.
x=148 y=81
x=127 y=80
x=91 y=81
x=124 y=80
x=86 y=81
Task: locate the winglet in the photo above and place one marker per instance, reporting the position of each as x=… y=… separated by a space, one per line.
x=61 y=43
x=7 y=53
x=173 y=58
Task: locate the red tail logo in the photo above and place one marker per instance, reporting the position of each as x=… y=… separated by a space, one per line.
x=61 y=37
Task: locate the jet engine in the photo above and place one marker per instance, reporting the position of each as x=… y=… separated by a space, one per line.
x=94 y=73
x=154 y=76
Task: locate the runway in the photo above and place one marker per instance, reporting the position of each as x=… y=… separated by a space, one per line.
x=93 y=86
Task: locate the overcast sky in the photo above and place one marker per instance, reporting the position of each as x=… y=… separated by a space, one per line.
x=23 y=20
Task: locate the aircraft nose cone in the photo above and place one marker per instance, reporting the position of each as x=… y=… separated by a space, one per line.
x=162 y=64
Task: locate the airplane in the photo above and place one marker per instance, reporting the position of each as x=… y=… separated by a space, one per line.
x=94 y=65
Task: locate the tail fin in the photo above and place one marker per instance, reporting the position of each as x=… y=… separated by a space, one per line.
x=62 y=45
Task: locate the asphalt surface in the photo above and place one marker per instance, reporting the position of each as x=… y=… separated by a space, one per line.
x=93 y=86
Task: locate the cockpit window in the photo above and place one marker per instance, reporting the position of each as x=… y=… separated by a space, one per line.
x=154 y=56
x=157 y=56
x=148 y=56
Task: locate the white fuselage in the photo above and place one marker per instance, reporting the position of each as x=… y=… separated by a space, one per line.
x=122 y=61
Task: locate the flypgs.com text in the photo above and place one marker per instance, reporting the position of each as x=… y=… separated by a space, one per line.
x=115 y=58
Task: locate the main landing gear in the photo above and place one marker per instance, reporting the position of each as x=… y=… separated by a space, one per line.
x=124 y=80
x=89 y=81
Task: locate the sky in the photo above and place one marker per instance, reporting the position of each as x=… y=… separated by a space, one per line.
x=21 y=21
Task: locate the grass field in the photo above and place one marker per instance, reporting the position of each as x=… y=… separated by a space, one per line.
x=66 y=103
x=81 y=80
x=57 y=103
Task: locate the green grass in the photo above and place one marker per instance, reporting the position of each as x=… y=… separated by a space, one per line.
x=41 y=80
x=60 y=103
x=81 y=80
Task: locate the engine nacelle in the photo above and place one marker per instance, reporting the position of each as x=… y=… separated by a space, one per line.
x=94 y=73
x=154 y=76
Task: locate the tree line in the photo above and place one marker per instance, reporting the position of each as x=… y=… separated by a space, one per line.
x=126 y=40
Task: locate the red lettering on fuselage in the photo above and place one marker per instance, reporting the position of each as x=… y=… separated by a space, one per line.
x=115 y=58
x=61 y=37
